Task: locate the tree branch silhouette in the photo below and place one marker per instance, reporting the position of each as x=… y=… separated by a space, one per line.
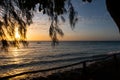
x=113 y=8
x=19 y=14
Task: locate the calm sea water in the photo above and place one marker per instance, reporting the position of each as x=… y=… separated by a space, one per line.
x=43 y=55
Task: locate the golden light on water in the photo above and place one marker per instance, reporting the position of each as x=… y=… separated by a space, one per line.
x=15 y=59
x=15 y=55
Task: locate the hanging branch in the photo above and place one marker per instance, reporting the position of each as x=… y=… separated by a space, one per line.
x=19 y=13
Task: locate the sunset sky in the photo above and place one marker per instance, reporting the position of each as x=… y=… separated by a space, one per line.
x=95 y=24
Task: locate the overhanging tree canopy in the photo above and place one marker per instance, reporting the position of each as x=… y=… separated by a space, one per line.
x=113 y=7
x=19 y=13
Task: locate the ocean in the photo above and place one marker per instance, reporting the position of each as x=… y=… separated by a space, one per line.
x=41 y=55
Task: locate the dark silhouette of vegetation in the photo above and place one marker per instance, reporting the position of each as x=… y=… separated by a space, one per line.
x=114 y=10
x=19 y=13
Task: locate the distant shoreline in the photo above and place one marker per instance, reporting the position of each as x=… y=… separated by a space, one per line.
x=74 y=41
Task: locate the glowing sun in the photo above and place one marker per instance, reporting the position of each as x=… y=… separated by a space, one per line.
x=17 y=36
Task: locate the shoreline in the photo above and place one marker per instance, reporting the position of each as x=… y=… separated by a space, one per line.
x=102 y=70
x=93 y=71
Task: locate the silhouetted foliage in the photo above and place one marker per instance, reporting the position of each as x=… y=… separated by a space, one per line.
x=113 y=7
x=19 y=13
x=87 y=0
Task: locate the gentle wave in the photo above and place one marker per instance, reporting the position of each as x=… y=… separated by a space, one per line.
x=43 y=55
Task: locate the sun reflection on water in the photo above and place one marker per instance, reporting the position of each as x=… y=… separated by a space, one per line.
x=14 y=72
x=21 y=77
x=15 y=56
